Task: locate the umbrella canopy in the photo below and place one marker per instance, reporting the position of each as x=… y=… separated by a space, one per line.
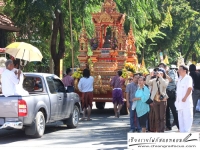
x=25 y=51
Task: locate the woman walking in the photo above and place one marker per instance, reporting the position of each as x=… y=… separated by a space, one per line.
x=85 y=86
x=142 y=108
x=159 y=97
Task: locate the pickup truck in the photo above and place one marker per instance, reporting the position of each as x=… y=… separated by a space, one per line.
x=47 y=102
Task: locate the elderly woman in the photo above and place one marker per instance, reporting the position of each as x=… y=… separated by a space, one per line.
x=142 y=108
x=159 y=96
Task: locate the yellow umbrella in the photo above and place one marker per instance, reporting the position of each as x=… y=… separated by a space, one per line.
x=25 y=51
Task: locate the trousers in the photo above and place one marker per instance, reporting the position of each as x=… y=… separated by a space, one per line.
x=171 y=105
x=134 y=121
x=185 y=119
x=195 y=97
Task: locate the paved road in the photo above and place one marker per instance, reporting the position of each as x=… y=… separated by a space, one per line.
x=103 y=132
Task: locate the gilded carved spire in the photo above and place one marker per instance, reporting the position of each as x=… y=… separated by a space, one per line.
x=109 y=6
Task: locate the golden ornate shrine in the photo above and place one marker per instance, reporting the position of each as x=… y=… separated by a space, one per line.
x=111 y=47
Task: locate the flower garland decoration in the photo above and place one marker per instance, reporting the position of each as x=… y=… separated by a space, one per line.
x=130 y=67
x=143 y=71
x=77 y=74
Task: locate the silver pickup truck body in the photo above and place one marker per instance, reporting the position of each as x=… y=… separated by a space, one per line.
x=47 y=102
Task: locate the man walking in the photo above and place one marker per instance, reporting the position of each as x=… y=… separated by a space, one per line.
x=171 y=92
x=130 y=94
x=196 y=85
x=184 y=103
x=68 y=81
x=117 y=83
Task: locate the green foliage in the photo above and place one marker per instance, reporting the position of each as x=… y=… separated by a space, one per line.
x=166 y=25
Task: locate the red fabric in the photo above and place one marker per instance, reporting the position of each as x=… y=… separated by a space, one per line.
x=86 y=99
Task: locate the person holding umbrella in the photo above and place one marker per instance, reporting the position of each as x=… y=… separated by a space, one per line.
x=19 y=90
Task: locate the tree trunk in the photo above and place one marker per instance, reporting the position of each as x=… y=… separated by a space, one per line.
x=57 y=67
x=61 y=47
x=189 y=50
x=54 y=40
x=57 y=28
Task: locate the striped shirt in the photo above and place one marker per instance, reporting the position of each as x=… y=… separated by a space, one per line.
x=172 y=85
x=68 y=81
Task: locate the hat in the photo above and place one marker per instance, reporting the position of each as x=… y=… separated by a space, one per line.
x=173 y=67
x=161 y=70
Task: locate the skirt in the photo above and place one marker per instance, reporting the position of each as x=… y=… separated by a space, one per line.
x=152 y=120
x=117 y=95
x=86 y=100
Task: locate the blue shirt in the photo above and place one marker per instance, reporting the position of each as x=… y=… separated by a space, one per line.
x=131 y=89
x=142 y=107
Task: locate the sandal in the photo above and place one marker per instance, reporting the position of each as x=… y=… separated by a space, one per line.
x=89 y=119
x=82 y=119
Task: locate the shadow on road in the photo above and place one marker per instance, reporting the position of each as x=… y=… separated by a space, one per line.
x=101 y=129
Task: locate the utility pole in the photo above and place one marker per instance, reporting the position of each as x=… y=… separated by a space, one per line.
x=72 y=46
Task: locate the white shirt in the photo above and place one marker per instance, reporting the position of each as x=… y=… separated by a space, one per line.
x=8 y=82
x=19 y=90
x=182 y=86
x=86 y=84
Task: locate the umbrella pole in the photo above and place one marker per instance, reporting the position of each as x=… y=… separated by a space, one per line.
x=23 y=54
x=20 y=60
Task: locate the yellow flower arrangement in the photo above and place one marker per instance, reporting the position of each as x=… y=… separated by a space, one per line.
x=124 y=73
x=143 y=70
x=77 y=74
x=131 y=67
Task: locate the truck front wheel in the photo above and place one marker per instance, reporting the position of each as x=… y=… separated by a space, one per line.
x=40 y=124
x=100 y=105
x=73 y=121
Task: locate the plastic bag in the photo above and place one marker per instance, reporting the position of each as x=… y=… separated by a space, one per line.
x=198 y=105
x=134 y=105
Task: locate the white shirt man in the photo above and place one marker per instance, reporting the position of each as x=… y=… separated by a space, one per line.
x=9 y=79
x=184 y=103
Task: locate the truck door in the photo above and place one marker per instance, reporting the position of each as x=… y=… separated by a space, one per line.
x=61 y=96
x=53 y=99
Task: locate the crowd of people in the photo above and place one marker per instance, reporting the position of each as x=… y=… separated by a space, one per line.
x=167 y=90
x=150 y=99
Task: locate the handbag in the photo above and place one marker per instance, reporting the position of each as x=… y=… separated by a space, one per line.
x=161 y=97
x=149 y=101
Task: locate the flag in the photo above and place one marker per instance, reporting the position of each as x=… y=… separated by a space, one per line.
x=166 y=61
x=143 y=63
